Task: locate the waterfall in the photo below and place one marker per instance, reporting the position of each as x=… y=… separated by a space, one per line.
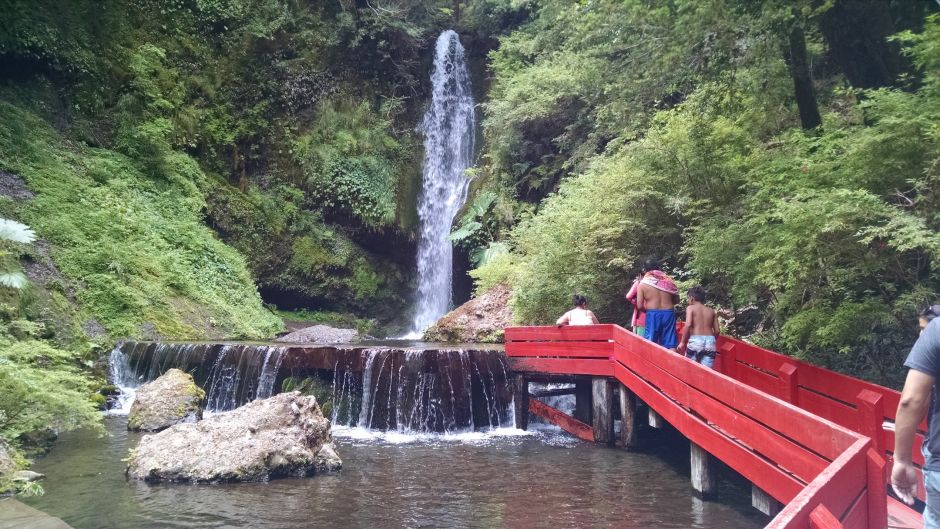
x=448 y=128
x=400 y=390
x=122 y=375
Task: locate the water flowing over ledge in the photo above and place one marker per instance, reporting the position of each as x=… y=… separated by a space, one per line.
x=398 y=389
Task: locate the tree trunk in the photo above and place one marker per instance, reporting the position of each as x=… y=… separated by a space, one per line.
x=802 y=79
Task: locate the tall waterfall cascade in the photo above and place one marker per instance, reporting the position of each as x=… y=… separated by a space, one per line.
x=448 y=128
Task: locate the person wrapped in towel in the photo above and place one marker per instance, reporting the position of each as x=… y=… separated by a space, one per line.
x=657 y=294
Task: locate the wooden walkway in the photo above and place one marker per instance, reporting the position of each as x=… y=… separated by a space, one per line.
x=809 y=438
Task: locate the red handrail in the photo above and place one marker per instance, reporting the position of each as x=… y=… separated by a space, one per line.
x=810 y=463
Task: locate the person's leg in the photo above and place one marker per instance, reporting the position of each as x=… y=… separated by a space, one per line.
x=932 y=511
x=640 y=330
x=708 y=361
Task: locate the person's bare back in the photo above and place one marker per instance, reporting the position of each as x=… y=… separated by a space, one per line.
x=701 y=320
x=651 y=298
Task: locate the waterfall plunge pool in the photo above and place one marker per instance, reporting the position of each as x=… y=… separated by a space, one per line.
x=499 y=479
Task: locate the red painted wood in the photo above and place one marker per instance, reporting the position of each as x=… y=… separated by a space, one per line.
x=847 y=481
x=857 y=517
x=821 y=518
x=833 y=410
x=768 y=440
x=561 y=366
x=760 y=380
x=728 y=358
x=758 y=357
x=796 y=513
x=790 y=379
x=561 y=419
x=876 y=503
x=777 y=483
x=779 y=416
x=567 y=333
x=900 y=516
x=564 y=349
x=787 y=454
x=871 y=416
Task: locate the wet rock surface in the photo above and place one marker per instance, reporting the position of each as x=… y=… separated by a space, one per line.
x=480 y=320
x=285 y=435
x=321 y=334
x=171 y=399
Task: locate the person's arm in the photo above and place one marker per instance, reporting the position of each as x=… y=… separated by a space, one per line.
x=564 y=319
x=684 y=342
x=641 y=297
x=631 y=295
x=715 y=325
x=915 y=400
x=594 y=318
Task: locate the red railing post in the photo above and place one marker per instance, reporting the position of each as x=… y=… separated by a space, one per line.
x=729 y=362
x=871 y=417
x=790 y=381
x=877 y=499
x=821 y=518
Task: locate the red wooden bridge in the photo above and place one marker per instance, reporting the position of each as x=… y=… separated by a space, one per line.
x=809 y=438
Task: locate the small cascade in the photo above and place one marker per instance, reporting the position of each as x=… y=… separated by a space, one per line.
x=121 y=375
x=373 y=388
x=424 y=391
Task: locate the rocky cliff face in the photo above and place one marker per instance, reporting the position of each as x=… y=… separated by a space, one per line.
x=285 y=435
x=172 y=398
x=480 y=320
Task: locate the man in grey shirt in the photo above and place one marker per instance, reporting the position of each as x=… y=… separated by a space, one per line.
x=919 y=394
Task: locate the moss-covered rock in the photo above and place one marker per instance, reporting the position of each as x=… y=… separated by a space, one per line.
x=173 y=398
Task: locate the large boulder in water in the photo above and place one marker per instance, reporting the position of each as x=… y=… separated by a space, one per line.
x=173 y=398
x=321 y=334
x=285 y=435
x=480 y=320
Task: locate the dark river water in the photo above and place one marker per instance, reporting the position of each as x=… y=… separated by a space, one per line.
x=498 y=480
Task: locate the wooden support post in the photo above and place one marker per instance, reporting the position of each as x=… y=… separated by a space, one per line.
x=655 y=420
x=628 y=429
x=729 y=362
x=602 y=410
x=764 y=502
x=582 y=400
x=520 y=400
x=871 y=418
x=877 y=477
x=822 y=518
x=789 y=378
x=703 y=472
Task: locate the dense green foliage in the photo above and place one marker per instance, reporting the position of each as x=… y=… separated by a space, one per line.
x=694 y=153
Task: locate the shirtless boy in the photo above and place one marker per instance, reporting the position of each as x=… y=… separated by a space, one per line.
x=701 y=329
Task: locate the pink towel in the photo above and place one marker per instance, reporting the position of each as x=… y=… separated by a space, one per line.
x=660 y=281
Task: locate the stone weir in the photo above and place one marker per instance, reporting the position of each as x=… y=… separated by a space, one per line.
x=385 y=387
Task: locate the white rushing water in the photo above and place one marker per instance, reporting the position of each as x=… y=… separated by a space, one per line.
x=122 y=376
x=448 y=128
